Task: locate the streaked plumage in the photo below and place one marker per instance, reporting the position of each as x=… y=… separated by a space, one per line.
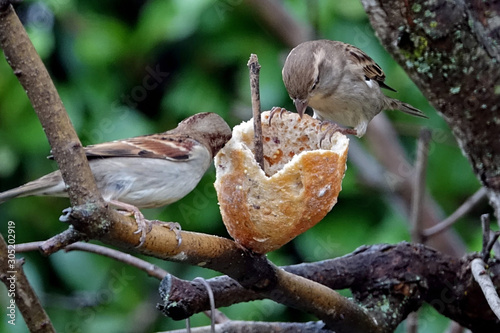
x=146 y=171
x=340 y=83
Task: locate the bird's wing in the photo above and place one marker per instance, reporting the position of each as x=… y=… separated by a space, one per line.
x=161 y=146
x=371 y=69
x=165 y=146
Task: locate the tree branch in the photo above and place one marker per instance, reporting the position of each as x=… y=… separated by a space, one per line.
x=269 y=281
x=398 y=176
x=254 y=68
x=238 y=326
x=150 y=269
x=402 y=277
x=20 y=291
x=419 y=186
x=66 y=147
x=483 y=279
x=466 y=207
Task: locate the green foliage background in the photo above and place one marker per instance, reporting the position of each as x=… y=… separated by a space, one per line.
x=101 y=55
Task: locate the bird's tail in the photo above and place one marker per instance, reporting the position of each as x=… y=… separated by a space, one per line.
x=51 y=184
x=394 y=104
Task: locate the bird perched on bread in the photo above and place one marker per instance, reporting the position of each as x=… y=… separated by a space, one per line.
x=340 y=83
x=145 y=171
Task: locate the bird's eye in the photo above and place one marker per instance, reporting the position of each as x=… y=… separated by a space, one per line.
x=315 y=83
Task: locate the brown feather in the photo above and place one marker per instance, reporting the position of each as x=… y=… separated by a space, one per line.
x=371 y=69
x=162 y=146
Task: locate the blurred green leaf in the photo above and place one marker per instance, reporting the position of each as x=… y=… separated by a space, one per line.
x=102 y=40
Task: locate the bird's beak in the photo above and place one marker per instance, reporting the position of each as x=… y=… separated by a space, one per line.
x=300 y=105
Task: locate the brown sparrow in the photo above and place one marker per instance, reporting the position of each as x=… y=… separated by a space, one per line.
x=340 y=83
x=145 y=171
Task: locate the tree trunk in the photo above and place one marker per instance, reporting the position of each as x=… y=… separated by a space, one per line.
x=450 y=49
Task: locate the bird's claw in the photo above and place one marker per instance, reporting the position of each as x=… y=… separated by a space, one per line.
x=144 y=226
x=332 y=128
x=274 y=110
x=176 y=228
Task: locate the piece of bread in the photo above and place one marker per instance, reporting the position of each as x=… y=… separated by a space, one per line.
x=265 y=210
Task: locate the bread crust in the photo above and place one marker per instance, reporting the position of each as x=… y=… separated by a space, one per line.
x=265 y=210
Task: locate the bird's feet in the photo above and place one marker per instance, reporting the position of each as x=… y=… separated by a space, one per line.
x=274 y=110
x=144 y=225
x=176 y=228
x=173 y=226
x=332 y=128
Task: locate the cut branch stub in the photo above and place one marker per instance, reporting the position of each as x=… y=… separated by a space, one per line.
x=300 y=183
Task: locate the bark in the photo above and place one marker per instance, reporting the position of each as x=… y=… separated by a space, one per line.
x=390 y=281
x=66 y=146
x=450 y=49
x=20 y=292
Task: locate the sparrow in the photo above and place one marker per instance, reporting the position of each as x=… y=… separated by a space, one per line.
x=340 y=83
x=145 y=171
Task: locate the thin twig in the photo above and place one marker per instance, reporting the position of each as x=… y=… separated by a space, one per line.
x=419 y=185
x=385 y=145
x=260 y=326
x=150 y=269
x=492 y=240
x=59 y=241
x=219 y=316
x=417 y=206
x=485 y=224
x=465 y=208
x=254 y=67
x=496 y=245
x=20 y=291
x=210 y=313
x=489 y=238
x=483 y=279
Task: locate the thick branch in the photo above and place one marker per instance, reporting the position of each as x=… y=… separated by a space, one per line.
x=268 y=281
x=402 y=277
x=66 y=147
x=226 y=256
